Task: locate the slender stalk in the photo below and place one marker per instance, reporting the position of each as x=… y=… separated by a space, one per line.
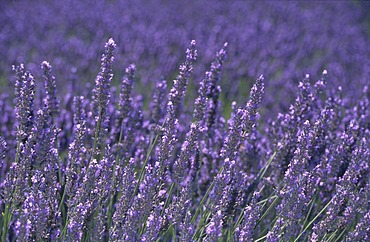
x=264 y=201
x=7 y=217
x=340 y=235
x=309 y=211
x=272 y=205
x=150 y=150
x=7 y=214
x=96 y=135
x=262 y=238
x=110 y=195
x=168 y=197
x=313 y=220
x=199 y=232
x=204 y=198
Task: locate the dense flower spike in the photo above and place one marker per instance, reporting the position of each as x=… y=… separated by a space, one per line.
x=25 y=95
x=104 y=78
x=361 y=232
x=16 y=180
x=298 y=190
x=175 y=97
x=125 y=201
x=124 y=104
x=212 y=88
x=50 y=101
x=157 y=105
x=101 y=97
x=251 y=215
x=178 y=90
x=253 y=104
x=351 y=194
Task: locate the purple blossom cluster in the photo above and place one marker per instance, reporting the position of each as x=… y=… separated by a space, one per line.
x=133 y=157
x=282 y=41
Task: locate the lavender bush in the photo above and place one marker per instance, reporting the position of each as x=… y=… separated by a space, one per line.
x=133 y=157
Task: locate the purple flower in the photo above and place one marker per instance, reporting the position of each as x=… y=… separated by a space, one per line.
x=214 y=227
x=25 y=95
x=253 y=104
x=182 y=164
x=213 y=90
x=50 y=101
x=101 y=97
x=157 y=105
x=251 y=214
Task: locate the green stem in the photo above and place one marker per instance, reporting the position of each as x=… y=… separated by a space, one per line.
x=110 y=195
x=204 y=198
x=97 y=131
x=151 y=147
x=262 y=238
x=268 y=209
x=7 y=217
x=331 y=237
x=201 y=226
x=264 y=201
x=313 y=220
x=340 y=235
x=309 y=212
x=7 y=214
x=168 y=197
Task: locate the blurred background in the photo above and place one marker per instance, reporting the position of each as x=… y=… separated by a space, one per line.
x=281 y=40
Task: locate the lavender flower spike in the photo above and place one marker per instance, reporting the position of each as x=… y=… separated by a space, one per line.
x=50 y=101
x=101 y=94
x=104 y=78
x=253 y=103
x=25 y=95
x=178 y=90
x=191 y=52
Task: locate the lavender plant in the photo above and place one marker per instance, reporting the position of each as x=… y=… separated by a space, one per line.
x=187 y=161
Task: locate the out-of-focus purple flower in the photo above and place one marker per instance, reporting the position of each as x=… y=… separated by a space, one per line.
x=157 y=105
x=213 y=90
x=3 y=147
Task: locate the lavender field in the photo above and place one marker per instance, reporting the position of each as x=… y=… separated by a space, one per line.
x=184 y=121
